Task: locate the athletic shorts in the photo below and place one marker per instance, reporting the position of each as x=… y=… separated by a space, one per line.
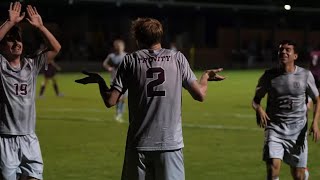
x=20 y=155
x=286 y=150
x=50 y=72
x=153 y=165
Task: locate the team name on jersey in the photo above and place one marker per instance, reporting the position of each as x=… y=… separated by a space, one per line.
x=154 y=59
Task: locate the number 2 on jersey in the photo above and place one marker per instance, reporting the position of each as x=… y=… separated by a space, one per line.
x=21 y=89
x=159 y=72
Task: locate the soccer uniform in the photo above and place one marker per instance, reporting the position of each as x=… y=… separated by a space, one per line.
x=154 y=140
x=50 y=71
x=285 y=133
x=114 y=61
x=19 y=146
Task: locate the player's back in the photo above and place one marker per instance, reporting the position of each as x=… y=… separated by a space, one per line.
x=154 y=80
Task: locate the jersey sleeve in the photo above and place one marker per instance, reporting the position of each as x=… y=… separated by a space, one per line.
x=187 y=74
x=312 y=90
x=39 y=61
x=262 y=86
x=120 y=82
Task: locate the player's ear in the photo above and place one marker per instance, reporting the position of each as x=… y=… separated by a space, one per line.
x=295 y=56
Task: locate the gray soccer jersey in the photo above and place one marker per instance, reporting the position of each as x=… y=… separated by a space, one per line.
x=154 y=81
x=286 y=103
x=17 y=92
x=114 y=61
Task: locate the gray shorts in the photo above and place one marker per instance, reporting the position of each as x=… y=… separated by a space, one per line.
x=20 y=155
x=286 y=150
x=153 y=165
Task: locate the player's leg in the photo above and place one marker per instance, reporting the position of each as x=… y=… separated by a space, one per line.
x=31 y=164
x=136 y=166
x=298 y=173
x=55 y=87
x=296 y=156
x=9 y=157
x=43 y=86
x=273 y=169
x=273 y=153
x=169 y=165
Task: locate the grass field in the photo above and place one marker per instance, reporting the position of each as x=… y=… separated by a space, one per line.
x=81 y=141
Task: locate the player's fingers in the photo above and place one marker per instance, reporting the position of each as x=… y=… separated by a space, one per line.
x=81 y=81
x=11 y=6
x=217 y=70
x=15 y=6
x=35 y=10
x=267 y=117
x=30 y=10
x=219 y=77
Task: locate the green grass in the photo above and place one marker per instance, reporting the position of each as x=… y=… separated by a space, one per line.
x=80 y=139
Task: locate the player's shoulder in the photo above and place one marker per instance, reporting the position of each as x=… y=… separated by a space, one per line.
x=302 y=69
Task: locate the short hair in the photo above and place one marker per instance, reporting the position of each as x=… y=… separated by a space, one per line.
x=13 y=34
x=290 y=42
x=118 y=41
x=147 y=31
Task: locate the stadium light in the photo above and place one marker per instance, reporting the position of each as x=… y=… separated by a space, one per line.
x=287 y=7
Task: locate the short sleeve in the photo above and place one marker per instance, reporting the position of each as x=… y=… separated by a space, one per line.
x=120 y=82
x=312 y=90
x=262 y=86
x=39 y=61
x=187 y=74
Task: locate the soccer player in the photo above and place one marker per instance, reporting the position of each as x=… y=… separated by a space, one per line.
x=285 y=119
x=49 y=74
x=111 y=64
x=154 y=78
x=20 y=154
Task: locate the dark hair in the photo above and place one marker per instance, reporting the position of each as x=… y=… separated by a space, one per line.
x=13 y=34
x=290 y=42
x=147 y=31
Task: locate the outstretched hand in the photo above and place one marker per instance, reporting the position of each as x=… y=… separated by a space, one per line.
x=92 y=78
x=34 y=17
x=15 y=14
x=213 y=76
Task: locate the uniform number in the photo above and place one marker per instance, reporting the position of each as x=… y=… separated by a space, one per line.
x=21 y=89
x=159 y=72
x=285 y=104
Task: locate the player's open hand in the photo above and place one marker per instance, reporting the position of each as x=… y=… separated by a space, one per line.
x=314 y=131
x=262 y=117
x=92 y=78
x=15 y=14
x=34 y=17
x=213 y=76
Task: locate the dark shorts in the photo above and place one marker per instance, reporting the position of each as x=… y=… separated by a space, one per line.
x=50 y=72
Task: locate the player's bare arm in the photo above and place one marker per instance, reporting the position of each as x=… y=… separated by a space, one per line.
x=109 y=96
x=36 y=21
x=106 y=64
x=262 y=116
x=198 y=90
x=15 y=16
x=314 y=129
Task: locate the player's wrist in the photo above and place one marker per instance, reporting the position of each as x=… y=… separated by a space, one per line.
x=11 y=23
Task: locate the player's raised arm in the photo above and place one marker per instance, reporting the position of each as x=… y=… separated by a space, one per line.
x=198 y=90
x=15 y=16
x=36 y=20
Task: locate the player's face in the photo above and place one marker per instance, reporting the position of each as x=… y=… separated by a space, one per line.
x=287 y=54
x=13 y=46
x=119 y=47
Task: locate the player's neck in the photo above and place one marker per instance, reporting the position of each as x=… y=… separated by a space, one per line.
x=14 y=61
x=155 y=47
x=289 y=68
